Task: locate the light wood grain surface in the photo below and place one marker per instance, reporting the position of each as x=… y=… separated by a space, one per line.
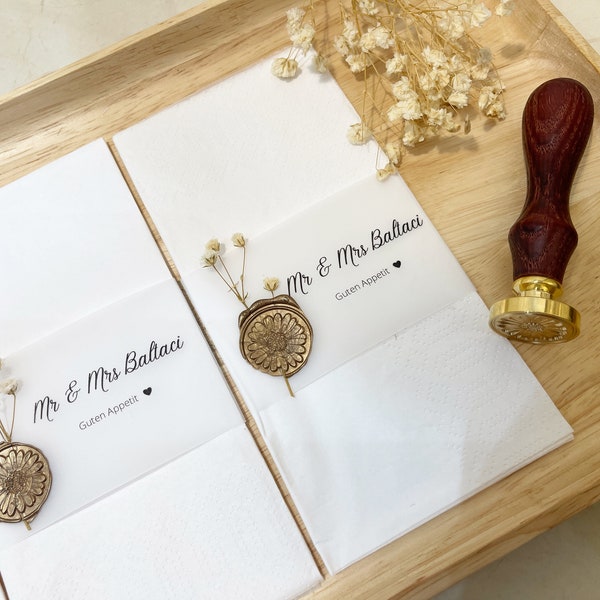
x=472 y=187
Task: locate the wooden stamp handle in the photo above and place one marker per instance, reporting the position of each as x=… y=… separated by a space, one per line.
x=557 y=121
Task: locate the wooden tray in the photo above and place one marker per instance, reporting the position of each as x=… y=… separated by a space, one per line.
x=472 y=187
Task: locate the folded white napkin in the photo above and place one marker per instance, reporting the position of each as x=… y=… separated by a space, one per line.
x=120 y=391
x=210 y=525
x=72 y=242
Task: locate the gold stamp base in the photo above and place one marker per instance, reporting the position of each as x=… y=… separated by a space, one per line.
x=534 y=316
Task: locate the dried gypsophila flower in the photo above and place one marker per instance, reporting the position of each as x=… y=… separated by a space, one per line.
x=505 y=8
x=213 y=245
x=320 y=63
x=270 y=284
x=238 y=240
x=393 y=151
x=284 y=68
x=9 y=386
x=480 y=13
x=303 y=37
x=209 y=258
x=358 y=134
x=396 y=64
x=429 y=47
x=368 y=7
x=385 y=172
x=301 y=30
x=295 y=17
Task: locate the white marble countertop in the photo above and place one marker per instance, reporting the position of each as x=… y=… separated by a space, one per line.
x=40 y=36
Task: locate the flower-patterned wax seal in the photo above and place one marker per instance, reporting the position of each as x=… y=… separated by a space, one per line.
x=25 y=477
x=275 y=336
x=25 y=481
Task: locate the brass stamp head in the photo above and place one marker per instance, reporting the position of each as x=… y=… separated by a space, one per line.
x=534 y=315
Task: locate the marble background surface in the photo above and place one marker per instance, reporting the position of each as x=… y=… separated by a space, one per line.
x=40 y=36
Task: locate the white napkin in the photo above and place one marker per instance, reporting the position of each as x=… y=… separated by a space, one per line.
x=210 y=525
x=116 y=380
x=72 y=242
x=403 y=431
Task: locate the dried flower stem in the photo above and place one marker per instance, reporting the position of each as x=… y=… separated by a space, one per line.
x=244 y=295
x=287 y=383
x=212 y=256
x=231 y=284
x=7 y=434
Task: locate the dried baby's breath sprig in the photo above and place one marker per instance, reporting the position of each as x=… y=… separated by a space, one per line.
x=209 y=258
x=271 y=284
x=238 y=240
x=358 y=134
x=320 y=63
x=505 y=8
x=301 y=29
x=212 y=258
x=213 y=245
x=284 y=68
x=419 y=64
x=383 y=173
x=9 y=386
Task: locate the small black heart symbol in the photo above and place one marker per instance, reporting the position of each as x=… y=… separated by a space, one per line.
x=147 y=391
x=397 y=264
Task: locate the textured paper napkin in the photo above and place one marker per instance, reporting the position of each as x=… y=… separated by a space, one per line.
x=209 y=525
x=72 y=243
x=394 y=436
x=117 y=380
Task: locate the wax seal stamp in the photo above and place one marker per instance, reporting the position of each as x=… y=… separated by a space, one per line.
x=25 y=477
x=557 y=121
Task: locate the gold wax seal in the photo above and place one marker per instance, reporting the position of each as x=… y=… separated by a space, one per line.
x=275 y=336
x=25 y=481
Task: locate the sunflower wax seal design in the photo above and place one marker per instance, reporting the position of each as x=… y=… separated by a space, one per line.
x=275 y=335
x=25 y=477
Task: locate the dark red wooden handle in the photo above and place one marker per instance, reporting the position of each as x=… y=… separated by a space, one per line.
x=557 y=121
